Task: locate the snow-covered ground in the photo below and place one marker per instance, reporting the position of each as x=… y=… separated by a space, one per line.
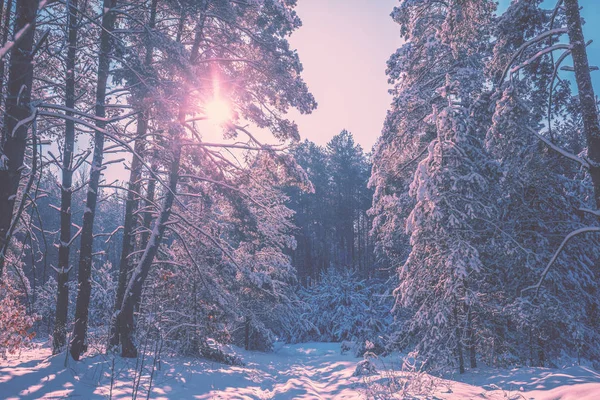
x=301 y=371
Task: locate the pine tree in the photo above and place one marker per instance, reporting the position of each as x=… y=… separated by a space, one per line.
x=434 y=97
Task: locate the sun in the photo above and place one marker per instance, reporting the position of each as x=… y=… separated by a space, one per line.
x=218 y=111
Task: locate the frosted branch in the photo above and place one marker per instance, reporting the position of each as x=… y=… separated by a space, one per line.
x=570 y=236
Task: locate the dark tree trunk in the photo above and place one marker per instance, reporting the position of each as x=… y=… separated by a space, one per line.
x=461 y=359
x=59 y=337
x=471 y=339
x=87 y=230
x=20 y=78
x=541 y=352
x=132 y=203
x=247 y=333
x=587 y=98
x=62 y=298
x=5 y=32
x=459 y=347
x=133 y=294
x=148 y=206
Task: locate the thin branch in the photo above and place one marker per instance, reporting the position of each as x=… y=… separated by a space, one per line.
x=584 y=162
x=557 y=253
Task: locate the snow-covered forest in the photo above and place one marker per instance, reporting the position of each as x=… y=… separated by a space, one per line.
x=167 y=230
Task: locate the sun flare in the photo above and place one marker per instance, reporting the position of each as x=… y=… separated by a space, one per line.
x=218 y=111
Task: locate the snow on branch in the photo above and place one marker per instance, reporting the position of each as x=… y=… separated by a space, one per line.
x=112 y=137
x=540 y=54
x=10 y=44
x=570 y=236
x=589 y=211
x=584 y=163
x=22 y=32
x=409 y=163
x=520 y=50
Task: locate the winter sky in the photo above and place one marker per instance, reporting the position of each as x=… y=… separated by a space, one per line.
x=344 y=46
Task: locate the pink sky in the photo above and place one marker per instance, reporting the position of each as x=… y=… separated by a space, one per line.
x=344 y=46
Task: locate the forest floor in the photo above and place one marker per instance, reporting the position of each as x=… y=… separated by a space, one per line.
x=300 y=371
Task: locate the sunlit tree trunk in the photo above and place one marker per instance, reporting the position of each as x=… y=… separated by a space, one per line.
x=148 y=205
x=133 y=293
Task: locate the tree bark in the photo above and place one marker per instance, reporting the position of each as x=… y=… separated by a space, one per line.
x=587 y=98
x=12 y=154
x=133 y=294
x=246 y=333
x=5 y=33
x=147 y=220
x=459 y=349
x=131 y=205
x=87 y=231
x=132 y=202
x=471 y=339
x=62 y=298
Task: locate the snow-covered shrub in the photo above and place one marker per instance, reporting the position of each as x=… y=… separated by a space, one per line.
x=101 y=302
x=411 y=381
x=365 y=368
x=45 y=301
x=344 y=307
x=214 y=351
x=346 y=346
x=260 y=338
x=15 y=323
x=104 y=287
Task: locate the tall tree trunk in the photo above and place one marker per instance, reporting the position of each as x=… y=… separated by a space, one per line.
x=587 y=98
x=132 y=202
x=459 y=347
x=87 y=230
x=148 y=205
x=5 y=33
x=62 y=297
x=133 y=294
x=471 y=338
x=12 y=154
x=131 y=205
x=541 y=352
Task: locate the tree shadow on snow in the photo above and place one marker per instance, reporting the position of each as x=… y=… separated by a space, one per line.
x=529 y=378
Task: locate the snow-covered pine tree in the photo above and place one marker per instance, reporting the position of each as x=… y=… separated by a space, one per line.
x=538 y=191
x=342 y=306
x=416 y=70
x=438 y=76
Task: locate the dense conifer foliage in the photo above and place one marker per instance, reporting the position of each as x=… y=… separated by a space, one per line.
x=478 y=176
